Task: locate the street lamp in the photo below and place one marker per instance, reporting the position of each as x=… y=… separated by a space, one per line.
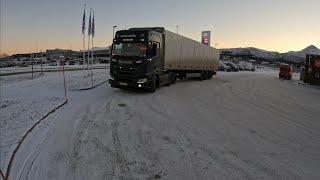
x=113 y=31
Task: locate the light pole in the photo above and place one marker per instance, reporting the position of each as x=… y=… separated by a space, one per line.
x=177 y=29
x=114 y=27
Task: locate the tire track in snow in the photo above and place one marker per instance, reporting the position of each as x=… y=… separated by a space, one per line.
x=84 y=124
x=25 y=172
x=119 y=156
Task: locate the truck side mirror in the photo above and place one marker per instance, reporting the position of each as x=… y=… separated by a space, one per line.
x=153 y=51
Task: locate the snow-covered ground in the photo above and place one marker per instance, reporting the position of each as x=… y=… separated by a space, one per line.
x=242 y=125
x=47 y=67
x=24 y=100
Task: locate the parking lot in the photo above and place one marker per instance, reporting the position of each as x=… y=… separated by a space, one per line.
x=240 y=125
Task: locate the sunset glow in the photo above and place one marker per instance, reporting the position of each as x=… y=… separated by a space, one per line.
x=286 y=25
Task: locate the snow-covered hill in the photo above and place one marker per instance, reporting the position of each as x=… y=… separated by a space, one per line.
x=291 y=55
x=253 y=51
x=302 y=54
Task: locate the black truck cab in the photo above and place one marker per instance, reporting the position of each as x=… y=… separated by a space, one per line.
x=137 y=58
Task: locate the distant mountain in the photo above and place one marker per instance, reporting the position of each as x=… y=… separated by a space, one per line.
x=302 y=54
x=294 y=56
x=3 y=55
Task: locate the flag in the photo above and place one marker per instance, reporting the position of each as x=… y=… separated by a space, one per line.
x=93 y=26
x=90 y=25
x=84 y=20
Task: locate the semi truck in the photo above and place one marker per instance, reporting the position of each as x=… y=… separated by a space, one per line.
x=147 y=58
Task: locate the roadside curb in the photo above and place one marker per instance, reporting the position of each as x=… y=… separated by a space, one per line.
x=92 y=87
x=25 y=136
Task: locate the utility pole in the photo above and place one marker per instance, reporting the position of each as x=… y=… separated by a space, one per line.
x=41 y=55
x=32 y=57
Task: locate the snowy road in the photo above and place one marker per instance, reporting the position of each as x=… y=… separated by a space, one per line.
x=236 y=126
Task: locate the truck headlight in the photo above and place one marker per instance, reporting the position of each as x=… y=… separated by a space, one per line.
x=139 y=62
x=113 y=60
x=142 y=81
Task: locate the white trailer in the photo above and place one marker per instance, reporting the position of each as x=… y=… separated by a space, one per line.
x=182 y=53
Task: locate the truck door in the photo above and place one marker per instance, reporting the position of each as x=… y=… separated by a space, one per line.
x=154 y=57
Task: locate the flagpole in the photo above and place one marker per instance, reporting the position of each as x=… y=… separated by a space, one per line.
x=89 y=33
x=92 y=35
x=84 y=41
x=88 y=53
x=84 y=55
x=92 y=61
x=91 y=55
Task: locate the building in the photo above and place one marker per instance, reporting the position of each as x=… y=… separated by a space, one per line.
x=100 y=54
x=54 y=54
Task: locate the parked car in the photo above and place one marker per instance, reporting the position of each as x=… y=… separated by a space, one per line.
x=224 y=67
x=53 y=63
x=72 y=63
x=233 y=67
x=24 y=64
x=247 y=66
x=241 y=66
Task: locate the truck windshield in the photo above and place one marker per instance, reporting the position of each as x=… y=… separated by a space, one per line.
x=130 y=49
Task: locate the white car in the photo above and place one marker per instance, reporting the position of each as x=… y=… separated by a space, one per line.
x=53 y=63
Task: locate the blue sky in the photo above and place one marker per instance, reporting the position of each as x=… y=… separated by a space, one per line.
x=279 y=25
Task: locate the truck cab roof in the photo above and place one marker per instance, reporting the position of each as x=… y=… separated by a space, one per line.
x=157 y=29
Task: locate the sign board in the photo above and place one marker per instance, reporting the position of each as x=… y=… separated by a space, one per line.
x=205 y=37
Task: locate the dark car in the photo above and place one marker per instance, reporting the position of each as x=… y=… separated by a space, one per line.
x=233 y=67
x=72 y=63
x=53 y=63
x=224 y=67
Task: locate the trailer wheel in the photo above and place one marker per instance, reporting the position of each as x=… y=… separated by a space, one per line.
x=174 y=78
x=210 y=75
x=206 y=77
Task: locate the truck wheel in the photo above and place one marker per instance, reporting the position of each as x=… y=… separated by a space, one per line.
x=157 y=81
x=113 y=85
x=202 y=76
x=153 y=84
